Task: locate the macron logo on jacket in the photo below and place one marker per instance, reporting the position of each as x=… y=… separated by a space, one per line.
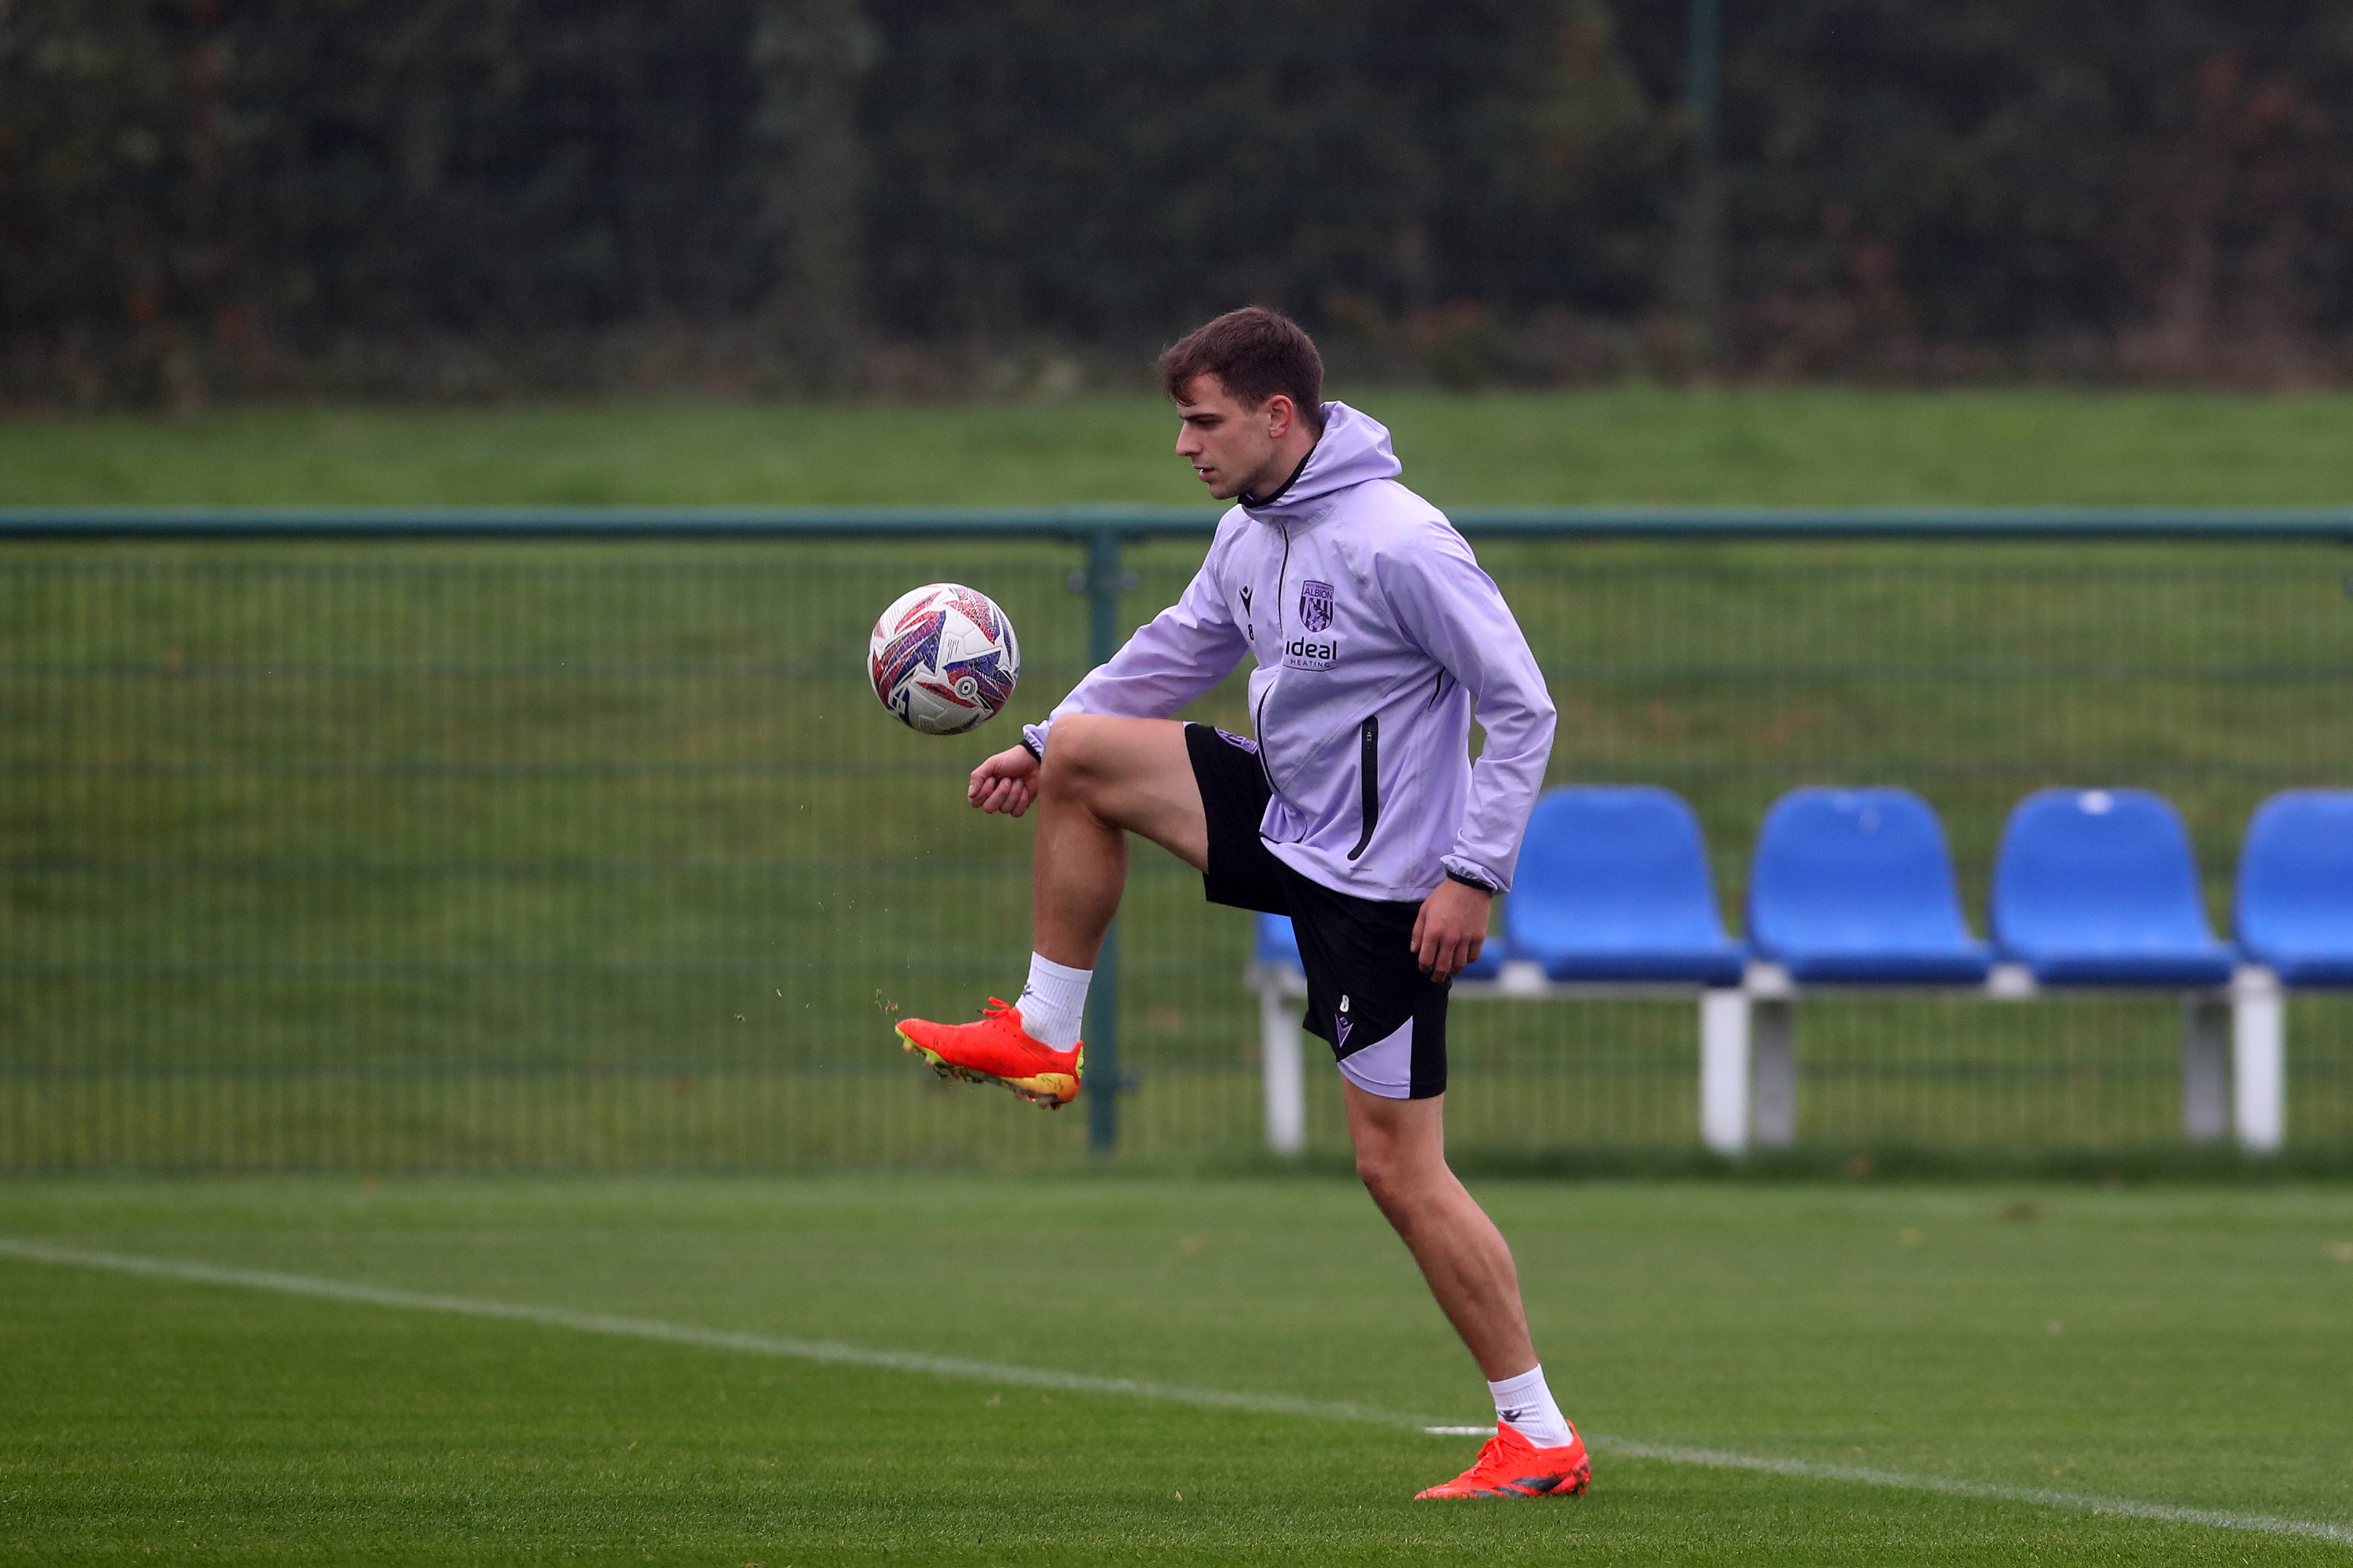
x=1376 y=638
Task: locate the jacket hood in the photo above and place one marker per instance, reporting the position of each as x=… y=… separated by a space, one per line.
x=1353 y=450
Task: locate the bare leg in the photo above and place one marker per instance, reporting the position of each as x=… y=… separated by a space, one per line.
x=1103 y=779
x=1402 y=1156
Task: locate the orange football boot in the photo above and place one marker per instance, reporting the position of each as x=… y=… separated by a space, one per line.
x=998 y=1050
x=1511 y=1465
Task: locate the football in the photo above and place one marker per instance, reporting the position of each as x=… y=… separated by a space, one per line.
x=944 y=658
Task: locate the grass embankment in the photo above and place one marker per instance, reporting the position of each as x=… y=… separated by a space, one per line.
x=1821 y=446
x=2172 y=1348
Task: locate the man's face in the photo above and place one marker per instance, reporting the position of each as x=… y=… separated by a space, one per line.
x=1230 y=446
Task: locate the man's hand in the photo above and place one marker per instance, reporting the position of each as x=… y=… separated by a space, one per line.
x=1451 y=929
x=1008 y=781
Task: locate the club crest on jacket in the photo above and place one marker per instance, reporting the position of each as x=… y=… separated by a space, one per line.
x=1315 y=607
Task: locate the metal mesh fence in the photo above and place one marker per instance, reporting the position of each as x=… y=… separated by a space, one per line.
x=529 y=855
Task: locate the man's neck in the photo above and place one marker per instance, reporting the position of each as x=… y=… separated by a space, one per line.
x=1282 y=470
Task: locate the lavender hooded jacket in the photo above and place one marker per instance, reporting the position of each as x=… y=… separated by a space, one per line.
x=1375 y=633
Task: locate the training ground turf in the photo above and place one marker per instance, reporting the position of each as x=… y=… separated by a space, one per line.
x=2184 y=1348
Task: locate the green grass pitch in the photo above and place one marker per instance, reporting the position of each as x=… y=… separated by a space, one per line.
x=2177 y=1347
x=2174 y=1347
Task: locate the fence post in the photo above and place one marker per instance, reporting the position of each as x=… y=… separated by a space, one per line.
x=2205 y=1068
x=1103 y=584
x=1773 y=1072
x=1698 y=281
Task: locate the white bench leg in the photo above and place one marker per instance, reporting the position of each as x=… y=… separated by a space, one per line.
x=1724 y=1071
x=2259 y=1060
x=1285 y=1084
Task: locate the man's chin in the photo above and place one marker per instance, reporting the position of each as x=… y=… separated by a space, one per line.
x=1222 y=489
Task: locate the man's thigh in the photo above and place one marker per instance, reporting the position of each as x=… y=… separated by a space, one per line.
x=1412 y=1129
x=1137 y=773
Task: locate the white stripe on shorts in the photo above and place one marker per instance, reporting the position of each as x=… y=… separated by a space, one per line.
x=1384 y=1067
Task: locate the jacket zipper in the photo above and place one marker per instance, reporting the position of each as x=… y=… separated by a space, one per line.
x=1281 y=573
x=1370 y=763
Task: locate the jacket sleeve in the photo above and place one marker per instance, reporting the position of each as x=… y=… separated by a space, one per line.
x=1457 y=614
x=1176 y=656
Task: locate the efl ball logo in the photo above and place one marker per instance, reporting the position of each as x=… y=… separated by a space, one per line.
x=944 y=658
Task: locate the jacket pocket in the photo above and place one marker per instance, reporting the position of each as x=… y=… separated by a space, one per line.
x=1369 y=765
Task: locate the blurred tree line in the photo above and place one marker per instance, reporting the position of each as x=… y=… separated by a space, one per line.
x=264 y=196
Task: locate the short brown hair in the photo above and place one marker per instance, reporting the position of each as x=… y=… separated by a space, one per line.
x=1255 y=353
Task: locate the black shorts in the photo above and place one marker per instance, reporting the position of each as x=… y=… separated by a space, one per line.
x=1365 y=988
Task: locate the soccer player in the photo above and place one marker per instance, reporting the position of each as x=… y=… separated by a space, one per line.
x=1356 y=810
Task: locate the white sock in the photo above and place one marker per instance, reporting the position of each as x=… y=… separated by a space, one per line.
x=1528 y=1406
x=1054 y=1000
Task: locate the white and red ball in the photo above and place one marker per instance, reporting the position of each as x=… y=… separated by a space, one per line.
x=944 y=658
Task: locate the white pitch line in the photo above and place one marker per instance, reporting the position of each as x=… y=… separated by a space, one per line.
x=1082 y=1383
x=2082 y=1502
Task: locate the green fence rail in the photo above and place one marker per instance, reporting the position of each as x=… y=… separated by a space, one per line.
x=562 y=837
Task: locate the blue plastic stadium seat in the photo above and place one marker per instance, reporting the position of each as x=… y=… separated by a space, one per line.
x=1277 y=946
x=2295 y=886
x=1855 y=887
x=1613 y=885
x=2100 y=888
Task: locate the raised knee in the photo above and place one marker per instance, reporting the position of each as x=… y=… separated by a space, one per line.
x=1074 y=753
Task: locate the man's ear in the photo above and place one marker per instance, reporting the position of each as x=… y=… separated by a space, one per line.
x=1281 y=414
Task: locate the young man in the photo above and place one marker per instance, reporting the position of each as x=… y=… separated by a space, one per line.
x=1356 y=811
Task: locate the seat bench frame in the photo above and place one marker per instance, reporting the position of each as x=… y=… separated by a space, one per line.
x=2233 y=1046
